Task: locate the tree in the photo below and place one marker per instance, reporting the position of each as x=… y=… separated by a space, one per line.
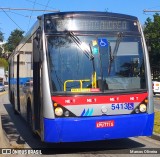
x=152 y=35
x=1 y=40
x=13 y=40
x=1 y=37
x=1 y=51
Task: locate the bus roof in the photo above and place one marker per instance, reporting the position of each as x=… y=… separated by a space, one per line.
x=96 y=13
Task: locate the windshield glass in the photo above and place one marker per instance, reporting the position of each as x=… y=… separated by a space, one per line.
x=116 y=64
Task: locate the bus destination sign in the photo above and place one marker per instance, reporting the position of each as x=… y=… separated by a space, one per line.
x=87 y=24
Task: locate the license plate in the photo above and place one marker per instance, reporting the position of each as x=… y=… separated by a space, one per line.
x=105 y=124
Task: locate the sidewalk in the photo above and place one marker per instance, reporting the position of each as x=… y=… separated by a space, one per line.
x=3 y=141
x=155 y=136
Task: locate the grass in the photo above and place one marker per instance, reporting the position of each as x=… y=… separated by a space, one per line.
x=157 y=122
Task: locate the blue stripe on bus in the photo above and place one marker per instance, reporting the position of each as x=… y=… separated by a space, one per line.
x=22 y=80
x=84 y=129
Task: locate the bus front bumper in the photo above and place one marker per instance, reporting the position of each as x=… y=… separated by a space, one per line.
x=85 y=129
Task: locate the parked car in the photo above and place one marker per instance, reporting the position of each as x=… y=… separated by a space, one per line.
x=2 y=88
x=156 y=87
x=6 y=84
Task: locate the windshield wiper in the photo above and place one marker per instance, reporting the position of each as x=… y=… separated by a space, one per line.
x=114 y=54
x=119 y=37
x=86 y=49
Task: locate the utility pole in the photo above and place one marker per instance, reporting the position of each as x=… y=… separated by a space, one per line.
x=151 y=10
x=28 y=9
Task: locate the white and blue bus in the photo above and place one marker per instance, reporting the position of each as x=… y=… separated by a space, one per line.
x=83 y=76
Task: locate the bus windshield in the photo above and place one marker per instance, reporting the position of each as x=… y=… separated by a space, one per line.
x=117 y=63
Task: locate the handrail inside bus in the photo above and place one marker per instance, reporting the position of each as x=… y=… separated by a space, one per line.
x=80 y=81
x=94 y=82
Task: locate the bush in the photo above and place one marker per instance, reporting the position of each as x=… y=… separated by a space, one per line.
x=4 y=63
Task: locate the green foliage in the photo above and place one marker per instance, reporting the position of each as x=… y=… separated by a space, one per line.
x=13 y=40
x=3 y=63
x=1 y=40
x=157 y=122
x=1 y=37
x=152 y=35
x=1 y=51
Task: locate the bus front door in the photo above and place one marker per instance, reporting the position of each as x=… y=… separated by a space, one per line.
x=36 y=86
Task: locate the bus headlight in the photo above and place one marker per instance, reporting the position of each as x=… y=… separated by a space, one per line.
x=142 y=107
x=58 y=111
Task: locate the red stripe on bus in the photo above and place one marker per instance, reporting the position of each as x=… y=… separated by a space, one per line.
x=79 y=100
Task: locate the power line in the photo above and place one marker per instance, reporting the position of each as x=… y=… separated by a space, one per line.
x=39 y=4
x=151 y=10
x=24 y=9
x=22 y=15
x=28 y=9
x=47 y=4
x=12 y=20
x=31 y=15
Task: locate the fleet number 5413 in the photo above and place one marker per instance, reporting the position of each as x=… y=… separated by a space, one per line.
x=123 y=106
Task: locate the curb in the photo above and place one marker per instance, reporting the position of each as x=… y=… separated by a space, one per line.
x=155 y=136
x=2 y=93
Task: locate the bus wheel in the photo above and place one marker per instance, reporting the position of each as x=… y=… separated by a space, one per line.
x=29 y=119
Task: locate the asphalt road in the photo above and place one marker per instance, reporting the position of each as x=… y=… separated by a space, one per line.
x=22 y=135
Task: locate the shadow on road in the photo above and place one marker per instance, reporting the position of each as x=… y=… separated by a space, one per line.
x=12 y=121
x=9 y=128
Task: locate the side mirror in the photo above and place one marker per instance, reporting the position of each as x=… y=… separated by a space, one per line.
x=38 y=35
x=36 y=53
x=37 y=47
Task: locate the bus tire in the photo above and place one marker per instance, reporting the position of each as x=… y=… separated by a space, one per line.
x=29 y=119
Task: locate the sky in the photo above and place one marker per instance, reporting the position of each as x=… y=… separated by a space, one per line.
x=23 y=20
